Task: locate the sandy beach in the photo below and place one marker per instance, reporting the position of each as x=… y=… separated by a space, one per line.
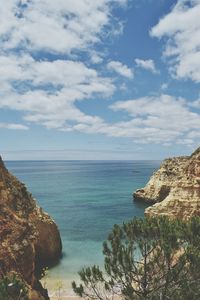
x=59 y=289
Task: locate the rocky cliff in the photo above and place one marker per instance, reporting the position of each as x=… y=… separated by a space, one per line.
x=174 y=189
x=29 y=238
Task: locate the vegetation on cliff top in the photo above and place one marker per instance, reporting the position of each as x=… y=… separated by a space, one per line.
x=13 y=288
x=150 y=258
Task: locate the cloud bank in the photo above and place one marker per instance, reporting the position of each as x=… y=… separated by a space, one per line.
x=163 y=119
x=181 y=28
x=42 y=73
x=48 y=59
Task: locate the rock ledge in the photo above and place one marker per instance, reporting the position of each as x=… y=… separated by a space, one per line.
x=174 y=189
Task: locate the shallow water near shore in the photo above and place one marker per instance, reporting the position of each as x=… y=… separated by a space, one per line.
x=85 y=198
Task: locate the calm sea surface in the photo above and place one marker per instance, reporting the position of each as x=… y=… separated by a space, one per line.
x=85 y=198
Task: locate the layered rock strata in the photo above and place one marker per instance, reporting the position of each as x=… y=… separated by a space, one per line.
x=29 y=238
x=174 y=189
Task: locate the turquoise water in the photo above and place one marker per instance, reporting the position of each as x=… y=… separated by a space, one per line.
x=85 y=198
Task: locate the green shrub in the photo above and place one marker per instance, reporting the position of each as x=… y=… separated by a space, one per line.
x=150 y=258
x=12 y=288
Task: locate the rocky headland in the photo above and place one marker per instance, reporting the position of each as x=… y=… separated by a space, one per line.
x=29 y=238
x=174 y=189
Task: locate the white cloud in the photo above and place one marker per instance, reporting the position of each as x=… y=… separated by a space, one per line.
x=164 y=86
x=13 y=126
x=195 y=104
x=74 y=76
x=121 y=69
x=67 y=82
x=160 y=119
x=181 y=27
x=157 y=119
x=54 y=26
x=96 y=58
x=146 y=64
x=33 y=35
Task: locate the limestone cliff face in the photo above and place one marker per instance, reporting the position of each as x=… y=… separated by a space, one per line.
x=29 y=238
x=174 y=189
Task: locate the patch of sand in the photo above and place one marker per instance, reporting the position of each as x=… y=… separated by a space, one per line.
x=59 y=289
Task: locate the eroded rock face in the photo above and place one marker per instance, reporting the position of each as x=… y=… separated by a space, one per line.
x=29 y=238
x=174 y=189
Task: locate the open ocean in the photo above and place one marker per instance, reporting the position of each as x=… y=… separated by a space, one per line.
x=85 y=198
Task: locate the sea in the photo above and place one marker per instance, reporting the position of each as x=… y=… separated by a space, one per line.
x=85 y=198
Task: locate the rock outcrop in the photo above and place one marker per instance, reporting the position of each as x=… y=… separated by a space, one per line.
x=29 y=238
x=174 y=189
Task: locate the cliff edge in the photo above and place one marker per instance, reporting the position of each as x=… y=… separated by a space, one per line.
x=174 y=189
x=29 y=238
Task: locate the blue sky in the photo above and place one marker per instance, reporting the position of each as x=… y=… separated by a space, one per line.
x=107 y=79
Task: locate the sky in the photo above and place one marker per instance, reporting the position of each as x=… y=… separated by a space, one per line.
x=99 y=80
